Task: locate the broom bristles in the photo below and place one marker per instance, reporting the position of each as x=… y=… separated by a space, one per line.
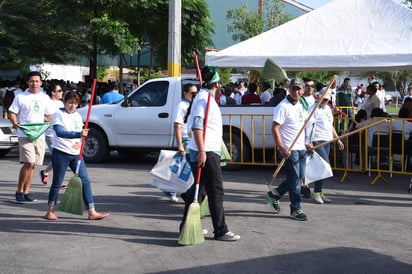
x=271 y=70
x=72 y=201
x=204 y=208
x=191 y=233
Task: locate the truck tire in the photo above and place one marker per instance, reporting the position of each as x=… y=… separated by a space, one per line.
x=4 y=152
x=96 y=148
x=236 y=150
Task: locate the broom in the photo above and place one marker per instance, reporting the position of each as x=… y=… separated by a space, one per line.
x=72 y=201
x=191 y=233
x=271 y=70
x=204 y=208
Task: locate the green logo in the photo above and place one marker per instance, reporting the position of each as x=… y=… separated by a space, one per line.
x=36 y=106
x=77 y=127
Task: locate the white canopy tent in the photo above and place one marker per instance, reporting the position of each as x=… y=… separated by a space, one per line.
x=342 y=35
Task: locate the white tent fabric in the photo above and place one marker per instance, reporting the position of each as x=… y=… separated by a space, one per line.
x=342 y=35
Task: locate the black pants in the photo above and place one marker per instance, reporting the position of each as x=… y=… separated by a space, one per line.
x=211 y=183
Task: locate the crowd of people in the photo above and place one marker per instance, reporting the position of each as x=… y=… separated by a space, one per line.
x=40 y=104
x=293 y=110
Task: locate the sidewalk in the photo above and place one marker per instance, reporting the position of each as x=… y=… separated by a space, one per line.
x=365 y=230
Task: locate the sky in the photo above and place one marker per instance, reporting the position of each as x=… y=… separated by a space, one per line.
x=318 y=3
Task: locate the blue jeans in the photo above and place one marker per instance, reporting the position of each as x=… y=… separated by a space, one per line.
x=295 y=169
x=324 y=153
x=61 y=161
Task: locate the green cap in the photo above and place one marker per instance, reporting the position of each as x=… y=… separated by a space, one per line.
x=210 y=70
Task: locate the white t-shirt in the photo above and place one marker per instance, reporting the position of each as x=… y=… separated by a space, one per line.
x=265 y=97
x=310 y=99
x=69 y=122
x=55 y=105
x=381 y=96
x=238 y=97
x=180 y=116
x=323 y=120
x=291 y=118
x=30 y=108
x=214 y=128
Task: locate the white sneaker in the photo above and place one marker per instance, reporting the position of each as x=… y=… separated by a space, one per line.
x=174 y=199
x=317 y=197
x=325 y=199
x=204 y=231
x=229 y=237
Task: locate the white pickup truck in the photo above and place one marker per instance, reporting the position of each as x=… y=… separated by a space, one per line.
x=143 y=121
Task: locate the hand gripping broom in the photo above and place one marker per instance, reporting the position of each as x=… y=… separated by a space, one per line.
x=72 y=201
x=270 y=184
x=191 y=233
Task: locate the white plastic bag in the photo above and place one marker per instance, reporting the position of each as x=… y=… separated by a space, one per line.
x=316 y=168
x=172 y=172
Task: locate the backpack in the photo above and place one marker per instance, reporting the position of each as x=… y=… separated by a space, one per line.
x=8 y=99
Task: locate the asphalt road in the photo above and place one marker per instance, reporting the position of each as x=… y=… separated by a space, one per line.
x=367 y=229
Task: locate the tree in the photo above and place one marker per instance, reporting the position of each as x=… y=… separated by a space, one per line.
x=32 y=32
x=408 y=3
x=64 y=31
x=245 y=23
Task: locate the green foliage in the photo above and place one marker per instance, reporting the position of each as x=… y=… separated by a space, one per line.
x=32 y=32
x=63 y=31
x=224 y=74
x=101 y=73
x=323 y=77
x=408 y=3
x=114 y=36
x=245 y=23
x=144 y=74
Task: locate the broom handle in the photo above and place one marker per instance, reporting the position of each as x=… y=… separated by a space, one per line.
x=86 y=126
x=349 y=133
x=301 y=130
x=199 y=169
x=197 y=68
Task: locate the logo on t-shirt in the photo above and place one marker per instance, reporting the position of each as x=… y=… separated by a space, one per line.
x=300 y=116
x=36 y=106
x=76 y=127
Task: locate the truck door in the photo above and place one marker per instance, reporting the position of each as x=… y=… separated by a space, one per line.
x=147 y=120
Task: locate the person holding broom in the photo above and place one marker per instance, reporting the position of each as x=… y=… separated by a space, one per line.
x=206 y=154
x=67 y=126
x=288 y=119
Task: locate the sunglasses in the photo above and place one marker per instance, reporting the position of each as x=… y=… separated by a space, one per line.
x=309 y=86
x=58 y=90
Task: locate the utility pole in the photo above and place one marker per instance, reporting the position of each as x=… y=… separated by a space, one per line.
x=174 y=38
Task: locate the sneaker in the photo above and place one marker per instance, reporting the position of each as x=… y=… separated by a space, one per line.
x=44 y=176
x=298 y=215
x=305 y=191
x=204 y=231
x=325 y=199
x=174 y=199
x=317 y=197
x=29 y=197
x=228 y=237
x=20 y=198
x=273 y=201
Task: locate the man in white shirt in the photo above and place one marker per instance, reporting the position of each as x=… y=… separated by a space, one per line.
x=31 y=106
x=288 y=119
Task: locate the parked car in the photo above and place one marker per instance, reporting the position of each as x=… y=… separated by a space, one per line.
x=388 y=99
x=8 y=137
